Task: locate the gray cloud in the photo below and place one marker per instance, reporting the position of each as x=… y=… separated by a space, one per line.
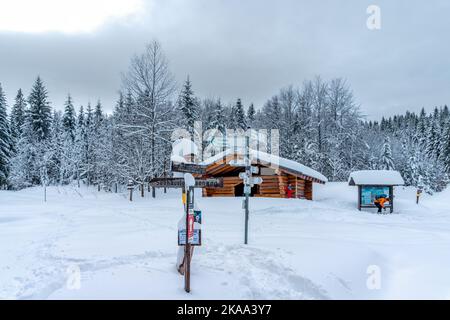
x=250 y=49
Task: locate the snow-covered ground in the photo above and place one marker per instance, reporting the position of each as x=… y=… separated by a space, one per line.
x=298 y=249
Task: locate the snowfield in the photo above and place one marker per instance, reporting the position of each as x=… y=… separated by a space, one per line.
x=298 y=249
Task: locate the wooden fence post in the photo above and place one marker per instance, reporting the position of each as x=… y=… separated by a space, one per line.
x=130 y=187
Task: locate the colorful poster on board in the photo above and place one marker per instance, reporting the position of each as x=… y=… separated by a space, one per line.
x=195 y=240
x=368 y=194
x=194 y=229
x=190 y=226
x=198 y=216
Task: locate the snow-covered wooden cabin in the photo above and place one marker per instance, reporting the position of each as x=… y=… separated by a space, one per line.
x=277 y=173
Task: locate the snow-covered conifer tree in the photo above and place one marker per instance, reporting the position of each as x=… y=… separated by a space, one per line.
x=24 y=172
x=445 y=154
x=433 y=138
x=40 y=111
x=386 y=161
x=17 y=118
x=69 y=121
x=89 y=137
x=79 y=148
x=240 y=121
x=251 y=115
x=5 y=141
x=188 y=107
x=219 y=117
x=59 y=147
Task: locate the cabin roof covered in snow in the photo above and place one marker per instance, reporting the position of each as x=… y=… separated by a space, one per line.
x=178 y=159
x=271 y=160
x=376 y=178
x=183 y=147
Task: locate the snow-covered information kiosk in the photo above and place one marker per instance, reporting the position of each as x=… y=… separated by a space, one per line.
x=374 y=183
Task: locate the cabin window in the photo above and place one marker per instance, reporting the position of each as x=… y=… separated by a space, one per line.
x=268 y=172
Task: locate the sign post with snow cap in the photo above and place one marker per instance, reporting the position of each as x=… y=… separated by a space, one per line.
x=189 y=181
x=249 y=181
x=182 y=159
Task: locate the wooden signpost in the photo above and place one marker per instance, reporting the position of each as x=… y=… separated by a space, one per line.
x=130 y=187
x=188 y=168
x=178 y=183
x=192 y=237
x=418 y=194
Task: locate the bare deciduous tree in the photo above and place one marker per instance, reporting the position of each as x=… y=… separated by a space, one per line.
x=151 y=85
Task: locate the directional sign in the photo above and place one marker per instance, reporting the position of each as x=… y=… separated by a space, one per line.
x=244 y=175
x=130 y=185
x=179 y=183
x=257 y=180
x=188 y=168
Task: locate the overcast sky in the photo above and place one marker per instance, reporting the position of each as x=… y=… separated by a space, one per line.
x=231 y=48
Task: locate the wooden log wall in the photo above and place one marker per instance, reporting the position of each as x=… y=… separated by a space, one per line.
x=226 y=191
x=283 y=181
x=301 y=188
x=273 y=186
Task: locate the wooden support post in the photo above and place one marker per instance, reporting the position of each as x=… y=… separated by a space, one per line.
x=359 y=197
x=391 y=197
x=248 y=170
x=418 y=194
x=130 y=187
x=187 y=247
x=165 y=176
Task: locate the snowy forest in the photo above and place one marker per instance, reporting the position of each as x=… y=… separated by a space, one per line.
x=320 y=124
